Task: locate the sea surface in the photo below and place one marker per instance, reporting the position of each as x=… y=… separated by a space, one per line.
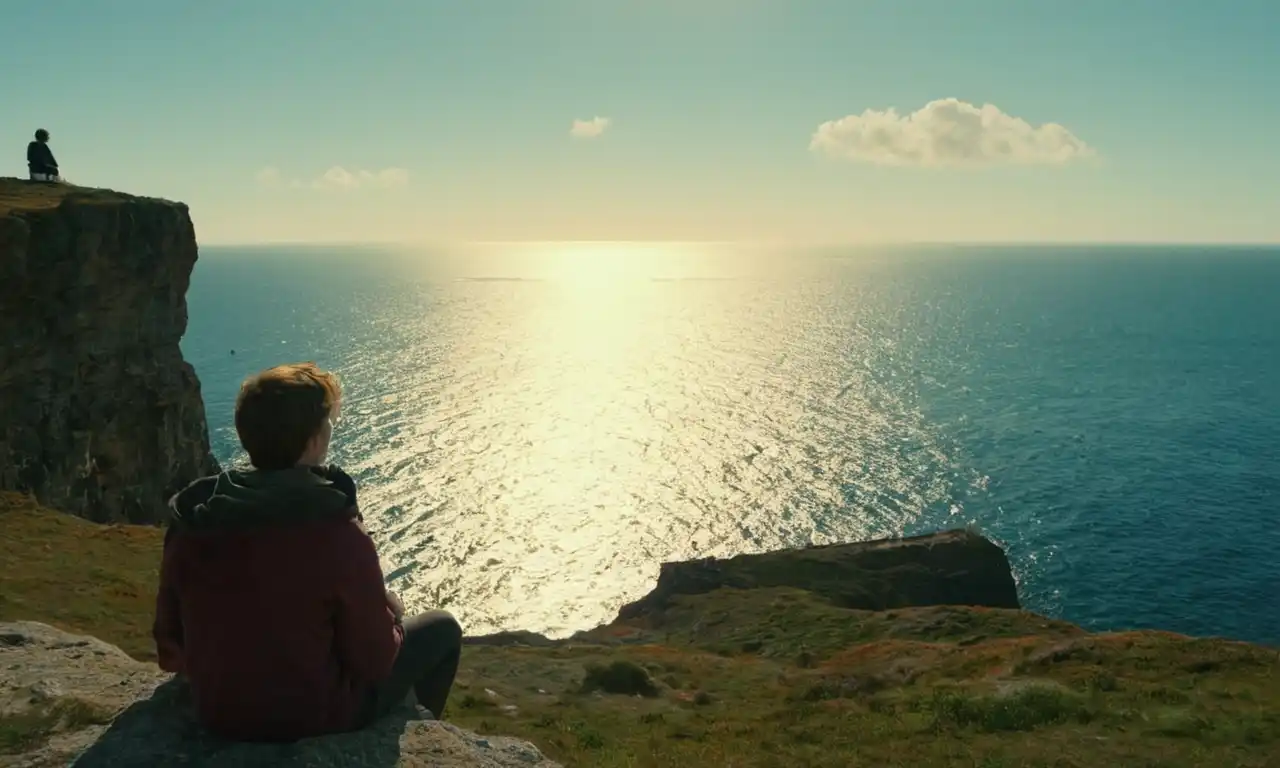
x=536 y=427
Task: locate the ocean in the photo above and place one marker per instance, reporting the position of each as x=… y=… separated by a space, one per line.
x=535 y=428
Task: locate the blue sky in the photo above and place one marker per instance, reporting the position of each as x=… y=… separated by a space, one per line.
x=425 y=120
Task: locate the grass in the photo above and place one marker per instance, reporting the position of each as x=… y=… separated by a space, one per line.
x=77 y=575
x=892 y=703
x=1024 y=709
x=784 y=623
x=621 y=677
x=20 y=195
x=22 y=731
x=774 y=677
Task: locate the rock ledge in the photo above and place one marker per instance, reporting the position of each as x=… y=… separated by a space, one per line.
x=128 y=714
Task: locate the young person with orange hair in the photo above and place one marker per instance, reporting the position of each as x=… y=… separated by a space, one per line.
x=272 y=601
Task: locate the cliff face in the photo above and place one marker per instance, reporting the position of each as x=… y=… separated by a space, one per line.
x=948 y=568
x=99 y=414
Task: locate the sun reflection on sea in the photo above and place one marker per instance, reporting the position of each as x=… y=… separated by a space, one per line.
x=577 y=413
x=579 y=407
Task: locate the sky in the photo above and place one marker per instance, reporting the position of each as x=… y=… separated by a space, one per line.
x=808 y=121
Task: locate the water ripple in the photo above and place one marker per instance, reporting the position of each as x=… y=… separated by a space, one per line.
x=534 y=435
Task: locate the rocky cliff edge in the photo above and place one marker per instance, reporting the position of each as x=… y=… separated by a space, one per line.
x=100 y=416
x=117 y=712
x=745 y=675
x=947 y=568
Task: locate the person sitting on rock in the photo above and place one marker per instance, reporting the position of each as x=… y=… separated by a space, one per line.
x=40 y=160
x=272 y=603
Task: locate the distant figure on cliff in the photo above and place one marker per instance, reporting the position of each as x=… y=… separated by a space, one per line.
x=272 y=602
x=40 y=160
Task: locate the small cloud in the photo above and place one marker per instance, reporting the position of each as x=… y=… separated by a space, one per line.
x=947 y=133
x=268 y=177
x=338 y=177
x=589 y=129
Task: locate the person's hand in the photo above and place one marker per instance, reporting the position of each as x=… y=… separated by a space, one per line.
x=393 y=602
x=341 y=480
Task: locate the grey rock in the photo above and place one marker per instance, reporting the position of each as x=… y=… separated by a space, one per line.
x=146 y=722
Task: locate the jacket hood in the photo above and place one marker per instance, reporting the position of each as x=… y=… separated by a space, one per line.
x=239 y=499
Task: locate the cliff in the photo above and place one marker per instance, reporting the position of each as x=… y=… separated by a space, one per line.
x=745 y=675
x=99 y=414
x=949 y=568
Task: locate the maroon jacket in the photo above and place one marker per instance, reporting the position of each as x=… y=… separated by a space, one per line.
x=273 y=605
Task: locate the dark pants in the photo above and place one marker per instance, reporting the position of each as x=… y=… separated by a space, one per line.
x=426 y=665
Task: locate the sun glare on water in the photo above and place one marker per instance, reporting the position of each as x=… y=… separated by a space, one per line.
x=561 y=418
x=596 y=265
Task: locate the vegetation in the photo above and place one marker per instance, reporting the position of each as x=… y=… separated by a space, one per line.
x=621 y=677
x=23 y=195
x=1028 y=693
x=763 y=677
x=20 y=731
x=77 y=575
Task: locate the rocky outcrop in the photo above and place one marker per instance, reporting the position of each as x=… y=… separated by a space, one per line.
x=105 y=709
x=100 y=415
x=947 y=568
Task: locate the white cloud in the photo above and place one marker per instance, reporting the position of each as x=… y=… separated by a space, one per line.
x=338 y=177
x=947 y=133
x=589 y=129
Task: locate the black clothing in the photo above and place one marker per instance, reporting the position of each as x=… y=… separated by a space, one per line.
x=40 y=159
x=426 y=665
